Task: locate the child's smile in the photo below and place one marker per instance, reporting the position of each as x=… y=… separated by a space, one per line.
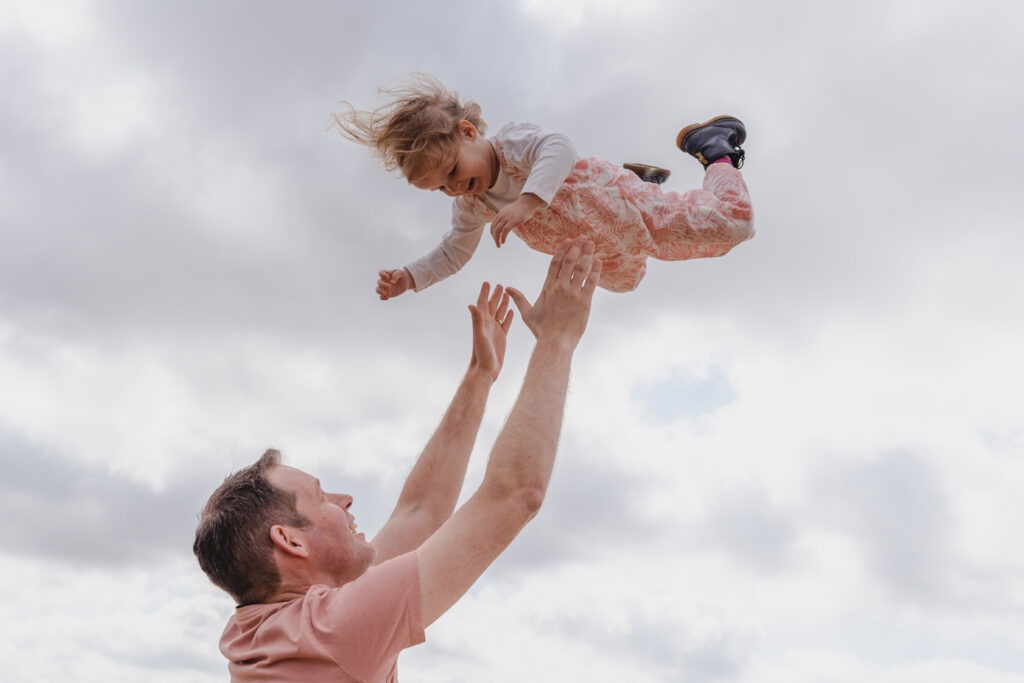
x=473 y=170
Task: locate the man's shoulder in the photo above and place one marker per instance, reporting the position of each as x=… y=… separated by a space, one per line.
x=366 y=609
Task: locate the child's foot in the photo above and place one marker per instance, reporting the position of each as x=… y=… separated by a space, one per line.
x=710 y=141
x=648 y=173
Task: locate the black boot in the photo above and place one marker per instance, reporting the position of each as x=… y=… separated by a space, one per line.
x=714 y=139
x=648 y=173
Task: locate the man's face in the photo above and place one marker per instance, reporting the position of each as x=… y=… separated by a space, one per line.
x=336 y=547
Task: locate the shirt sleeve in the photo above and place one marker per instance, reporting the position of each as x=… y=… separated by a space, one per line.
x=454 y=251
x=550 y=157
x=366 y=623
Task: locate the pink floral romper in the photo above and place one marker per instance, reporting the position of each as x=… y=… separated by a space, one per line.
x=631 y=220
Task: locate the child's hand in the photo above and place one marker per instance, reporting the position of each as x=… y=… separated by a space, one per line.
x=392 y=283
x=514 y=215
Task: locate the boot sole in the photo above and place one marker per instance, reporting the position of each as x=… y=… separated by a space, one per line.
x=647 y=169
x=685 y=132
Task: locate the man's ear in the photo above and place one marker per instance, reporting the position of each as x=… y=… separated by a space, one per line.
x=289 y=540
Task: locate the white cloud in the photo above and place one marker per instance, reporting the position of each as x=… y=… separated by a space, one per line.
x=111 y=625
x=52 y=23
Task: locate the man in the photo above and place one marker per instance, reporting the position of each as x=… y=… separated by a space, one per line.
x=316 y=600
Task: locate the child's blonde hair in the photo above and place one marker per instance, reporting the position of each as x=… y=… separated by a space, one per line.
x=417 y=131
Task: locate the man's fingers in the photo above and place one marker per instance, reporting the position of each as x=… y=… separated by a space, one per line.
x=496 y=296
x=583 y=265
x=555 y=267
x=592 y=279
x=520 y=300
x=571 y=261
x=507 y=322
x=502 y=306
x=481 y=299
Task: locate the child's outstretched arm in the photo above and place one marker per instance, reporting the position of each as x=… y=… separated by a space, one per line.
x=448 y=257
x=391 y=283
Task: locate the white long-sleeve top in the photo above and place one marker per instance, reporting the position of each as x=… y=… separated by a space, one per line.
x=549 y=158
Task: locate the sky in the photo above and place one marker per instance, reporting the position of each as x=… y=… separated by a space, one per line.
x=800 y=462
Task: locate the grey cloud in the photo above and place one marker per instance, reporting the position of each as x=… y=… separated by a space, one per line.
x=94 y=249
x=438 y=657
x=748 y=527
x=103 y=255
x=663 y=646
x=841 y=112
x=87 y=516
x=896 y=507
x=590 y=511
x=166 y=658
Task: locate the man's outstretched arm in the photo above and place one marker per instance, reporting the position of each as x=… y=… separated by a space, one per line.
x=519 y=469
x=429 y=495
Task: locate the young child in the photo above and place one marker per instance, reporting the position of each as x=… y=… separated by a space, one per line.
x=529 y=181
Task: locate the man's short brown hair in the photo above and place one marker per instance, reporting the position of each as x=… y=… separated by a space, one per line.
x=233 y=543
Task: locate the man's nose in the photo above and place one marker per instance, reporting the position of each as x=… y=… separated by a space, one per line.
x=342 y=500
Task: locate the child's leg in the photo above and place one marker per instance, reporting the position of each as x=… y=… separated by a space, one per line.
x=712 y=220
x=700 y=223
x=619 y=272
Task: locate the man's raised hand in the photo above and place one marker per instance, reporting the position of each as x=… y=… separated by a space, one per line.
x=563 y=306
x=491 y=321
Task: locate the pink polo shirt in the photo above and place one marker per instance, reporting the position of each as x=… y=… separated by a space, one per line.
x=349 y=634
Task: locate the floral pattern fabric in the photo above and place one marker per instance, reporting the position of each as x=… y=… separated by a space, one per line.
x=631 y=220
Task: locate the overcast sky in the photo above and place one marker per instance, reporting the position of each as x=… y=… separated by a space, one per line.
x=801 y=462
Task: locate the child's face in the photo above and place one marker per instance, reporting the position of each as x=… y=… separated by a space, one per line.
x=473 y=170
